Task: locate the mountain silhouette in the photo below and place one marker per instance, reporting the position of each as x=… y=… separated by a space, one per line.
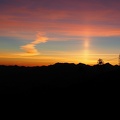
x=59 y=77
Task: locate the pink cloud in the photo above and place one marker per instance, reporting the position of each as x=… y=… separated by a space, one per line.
x=30 y=48
x=80 y=21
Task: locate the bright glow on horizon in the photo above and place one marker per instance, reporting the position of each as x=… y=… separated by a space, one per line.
x=86 y=50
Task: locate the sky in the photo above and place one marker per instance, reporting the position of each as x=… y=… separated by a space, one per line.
x=44 y=32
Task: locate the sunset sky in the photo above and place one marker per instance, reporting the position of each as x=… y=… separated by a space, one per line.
x=43 y=32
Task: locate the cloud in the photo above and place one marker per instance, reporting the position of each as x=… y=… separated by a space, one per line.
x=30 y=49
x=63 y=18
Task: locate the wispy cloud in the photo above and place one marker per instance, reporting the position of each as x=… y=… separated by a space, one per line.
x=30 y=49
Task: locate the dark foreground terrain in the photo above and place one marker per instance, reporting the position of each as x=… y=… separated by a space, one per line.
x=60 y=78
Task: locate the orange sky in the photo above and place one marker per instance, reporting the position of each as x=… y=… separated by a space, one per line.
x=43 y=32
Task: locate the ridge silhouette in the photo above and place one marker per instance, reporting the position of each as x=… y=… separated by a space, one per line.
x=59 y=78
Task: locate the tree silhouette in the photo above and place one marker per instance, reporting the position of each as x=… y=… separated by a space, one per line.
x=100 y=62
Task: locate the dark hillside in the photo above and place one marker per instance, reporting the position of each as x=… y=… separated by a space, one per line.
x=58 y=78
